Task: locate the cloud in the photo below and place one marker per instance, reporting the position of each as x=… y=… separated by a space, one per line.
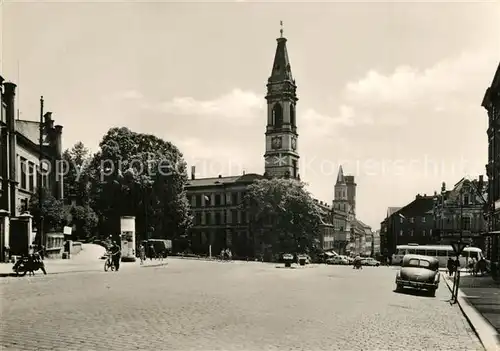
x=233 y=105
x=447 y=85
x=128 y=95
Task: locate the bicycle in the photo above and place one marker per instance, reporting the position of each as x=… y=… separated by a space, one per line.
x=109 y=264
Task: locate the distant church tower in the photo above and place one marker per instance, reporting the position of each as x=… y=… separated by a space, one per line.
x=341 y=200
x=281 y=132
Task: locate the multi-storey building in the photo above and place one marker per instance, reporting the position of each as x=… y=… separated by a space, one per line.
x=411 y=224
x=21 y=171
x=459 y=212
x=491 y=102
x=218 y=218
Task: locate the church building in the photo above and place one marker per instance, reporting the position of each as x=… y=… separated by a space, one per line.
x=218 y=220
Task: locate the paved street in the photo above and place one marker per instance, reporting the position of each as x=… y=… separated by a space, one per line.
x=196 y=305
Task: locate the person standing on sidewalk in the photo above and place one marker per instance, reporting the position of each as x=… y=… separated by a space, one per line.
x=450 y=266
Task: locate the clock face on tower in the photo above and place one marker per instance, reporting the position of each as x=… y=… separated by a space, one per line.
x=294 y=144
x=276 y=142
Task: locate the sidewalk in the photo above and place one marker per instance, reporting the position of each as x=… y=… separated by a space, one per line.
x=479 y=300
x=70 y=266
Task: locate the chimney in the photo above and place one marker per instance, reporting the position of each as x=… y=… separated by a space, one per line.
x=480 y=183
x=220 y=176
x=49 y=122
x=443 y=187
x=435 y=193
x=193 y=172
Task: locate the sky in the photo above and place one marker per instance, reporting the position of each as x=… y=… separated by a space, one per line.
x=392 y=91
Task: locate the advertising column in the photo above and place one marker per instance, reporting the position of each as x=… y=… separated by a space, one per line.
x=127 y=238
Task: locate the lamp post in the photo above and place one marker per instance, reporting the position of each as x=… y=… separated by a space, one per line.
x=40 y=177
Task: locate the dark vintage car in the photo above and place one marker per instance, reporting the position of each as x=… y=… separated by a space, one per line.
x=419 y=272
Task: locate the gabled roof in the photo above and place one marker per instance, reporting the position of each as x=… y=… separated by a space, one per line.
x=421 y=205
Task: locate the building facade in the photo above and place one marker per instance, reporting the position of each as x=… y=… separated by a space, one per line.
x=23 y=168
x=411 y=224
x=218 y=219
x=491 y=102
x=459 y=212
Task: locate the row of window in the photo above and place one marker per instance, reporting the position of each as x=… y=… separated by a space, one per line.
x=412 y=219
x=217 y=199
x=412 y=232
x=221 y=217
x=27 y=175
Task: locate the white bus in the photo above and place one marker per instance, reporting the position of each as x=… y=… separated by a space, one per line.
x=441 y=252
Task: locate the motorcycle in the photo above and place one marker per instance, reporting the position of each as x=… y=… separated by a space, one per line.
x=29 y=264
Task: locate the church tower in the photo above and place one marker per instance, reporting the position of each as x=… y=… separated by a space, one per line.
x=281 y=132
x=341 y=200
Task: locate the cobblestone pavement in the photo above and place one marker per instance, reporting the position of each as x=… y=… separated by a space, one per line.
x=196 y=305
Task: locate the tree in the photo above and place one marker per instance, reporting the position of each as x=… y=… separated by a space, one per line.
x=143 y=176
x=76 y=173
x=84 y=221
x=55 y=213
x=283 y=215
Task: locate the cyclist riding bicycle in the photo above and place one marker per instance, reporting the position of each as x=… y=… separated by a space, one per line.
x=115 y=253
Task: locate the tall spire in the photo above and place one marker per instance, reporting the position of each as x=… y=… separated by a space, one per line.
x=340 y=176
x=281 y=65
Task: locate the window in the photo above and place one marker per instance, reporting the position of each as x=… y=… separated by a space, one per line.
x=198 y=201
x=466 y=223
x=430 y=232
x=23 y=172
x=197 y=218
x=292 y=115
x=466 y=199
x=412 y=220
x=277 y=115
x=400 y=220
x=31 y=176
x=217 y=200
x=423 y=219
x=234 y=216
x=423 y=232
x=294 y=165
x=208 y=200
x=217 y=218
x=411 y=232
x=234 y=198
x=24 y=205
x=208 y=217
x=4 y=113
x=400 y=233
x=243 y=217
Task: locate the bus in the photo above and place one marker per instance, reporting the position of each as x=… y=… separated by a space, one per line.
x=441 y=252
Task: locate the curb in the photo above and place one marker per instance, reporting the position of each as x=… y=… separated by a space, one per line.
x=483 y=329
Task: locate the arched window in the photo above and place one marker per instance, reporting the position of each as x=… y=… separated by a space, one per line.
x=292 y=115
x=277 y=115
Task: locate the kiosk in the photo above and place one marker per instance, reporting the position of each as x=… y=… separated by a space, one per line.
x=127 y=238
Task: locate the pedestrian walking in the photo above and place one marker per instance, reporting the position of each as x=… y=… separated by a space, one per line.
x=142 y=253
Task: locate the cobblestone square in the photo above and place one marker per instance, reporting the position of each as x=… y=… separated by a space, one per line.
x=197 y=305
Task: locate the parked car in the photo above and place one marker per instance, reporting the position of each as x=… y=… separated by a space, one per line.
x=337 y=260
x=303 y=259
x=287 y=259
x=370 y=262
x=419 y=272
